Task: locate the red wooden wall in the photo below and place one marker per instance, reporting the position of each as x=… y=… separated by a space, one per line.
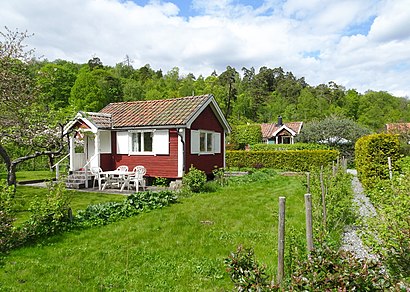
x=206 y=162
x=157 y=166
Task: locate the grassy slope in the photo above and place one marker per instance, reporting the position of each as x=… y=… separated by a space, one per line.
x=179 y=248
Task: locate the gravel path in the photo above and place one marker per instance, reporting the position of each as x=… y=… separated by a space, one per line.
x=351 y=240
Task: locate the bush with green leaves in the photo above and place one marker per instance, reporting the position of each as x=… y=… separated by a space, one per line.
x=327 y=269
x=49 y=214
x=194 y=180
x=245 y=272
x=292 y=160
x=6 y=216
x=371 y=157
x=246 y=135
x=104 y=213
x=392 y=223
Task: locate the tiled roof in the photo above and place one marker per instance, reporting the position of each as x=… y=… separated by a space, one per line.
x=398 y=127
x=175 y=111
x=100 y=120
x=269 y=129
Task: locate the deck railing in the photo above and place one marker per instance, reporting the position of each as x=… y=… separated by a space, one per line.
x=57 y=166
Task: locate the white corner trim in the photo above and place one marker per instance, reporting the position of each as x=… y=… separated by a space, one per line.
x=293 y=133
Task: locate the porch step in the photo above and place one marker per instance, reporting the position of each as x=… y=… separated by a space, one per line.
x=77 y=179
x=76 y=185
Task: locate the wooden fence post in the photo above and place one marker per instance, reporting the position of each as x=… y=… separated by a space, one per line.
x=309 y=228
x=322 y=187
x=281 y=239
x=390 y=168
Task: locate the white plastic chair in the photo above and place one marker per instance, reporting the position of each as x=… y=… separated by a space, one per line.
x=122 y=168
x=138 y=179
x=98 y=176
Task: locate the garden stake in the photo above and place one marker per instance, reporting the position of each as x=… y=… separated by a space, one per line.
x=309 y=229
x=281 y=238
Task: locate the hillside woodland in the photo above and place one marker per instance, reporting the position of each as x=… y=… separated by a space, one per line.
x=245 y=95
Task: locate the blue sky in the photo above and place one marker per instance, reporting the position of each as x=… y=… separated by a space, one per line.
x=360 y=44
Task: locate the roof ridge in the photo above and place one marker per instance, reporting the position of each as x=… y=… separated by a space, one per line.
x=161 y=100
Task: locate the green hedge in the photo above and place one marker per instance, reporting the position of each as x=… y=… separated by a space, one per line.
x=291 y=160
x=296 y=146
x=371 y=153
x=246 y=134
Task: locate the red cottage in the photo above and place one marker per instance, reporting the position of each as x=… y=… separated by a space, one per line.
x=166 y=136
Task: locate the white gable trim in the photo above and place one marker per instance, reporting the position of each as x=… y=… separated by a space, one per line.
x=284 y=127
x=80 y=118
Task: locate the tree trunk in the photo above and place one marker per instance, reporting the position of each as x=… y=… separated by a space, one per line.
x=11 y=168
x=11 y=176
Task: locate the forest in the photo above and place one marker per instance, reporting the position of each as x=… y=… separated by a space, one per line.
x=245 y=96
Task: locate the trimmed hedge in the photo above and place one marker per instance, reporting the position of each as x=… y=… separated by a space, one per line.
x=296 y=146
x=371 y=153
x=292 y=160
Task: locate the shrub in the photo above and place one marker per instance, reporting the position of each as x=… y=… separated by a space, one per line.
x=371 y=153
x=292 y=160
x=392 y=225
x=104 y=213
x=246 y=273
x=195 y=180
x=6 y=216
x=246 y=134
x=328 y=270
x=50 y=214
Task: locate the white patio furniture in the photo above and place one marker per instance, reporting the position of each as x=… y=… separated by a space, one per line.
x=122 y=168
x=116 y=178
x=98 y=176
x=138 y=178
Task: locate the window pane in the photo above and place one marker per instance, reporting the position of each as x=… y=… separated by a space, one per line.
x=209 y=142
x=202 y=142
x=147 y=141
x=134 y=142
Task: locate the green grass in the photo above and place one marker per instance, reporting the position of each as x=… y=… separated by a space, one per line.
x=178 y=248
x=79 y=200
x=31 y=175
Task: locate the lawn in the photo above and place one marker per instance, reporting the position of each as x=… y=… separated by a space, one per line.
x=79 y=200
x=178 y=248
x=31 y=175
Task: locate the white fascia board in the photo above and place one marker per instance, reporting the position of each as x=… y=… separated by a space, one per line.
x=300 y=127
x=216 y=109
x=286 y=128
x=81 y=118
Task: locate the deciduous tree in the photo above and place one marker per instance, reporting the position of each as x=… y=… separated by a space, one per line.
x=25 y=122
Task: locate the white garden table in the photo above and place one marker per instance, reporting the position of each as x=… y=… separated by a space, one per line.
x=115 y=177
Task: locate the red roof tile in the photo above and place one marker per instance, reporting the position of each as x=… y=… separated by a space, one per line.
x=398 y=128
x=269 y=129
x=175 y=111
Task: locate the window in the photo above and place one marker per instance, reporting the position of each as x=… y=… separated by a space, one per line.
x=141 y=142
x=205 y=142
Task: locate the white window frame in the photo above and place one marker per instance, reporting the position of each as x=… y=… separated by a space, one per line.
x=205 y=142
x=141 y=142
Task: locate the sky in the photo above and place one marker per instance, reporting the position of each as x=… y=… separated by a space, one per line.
x=359 y=44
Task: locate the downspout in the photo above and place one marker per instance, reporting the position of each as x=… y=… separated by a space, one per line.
x=179 y=132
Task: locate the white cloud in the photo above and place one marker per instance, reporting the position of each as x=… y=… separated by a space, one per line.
x=307 y=37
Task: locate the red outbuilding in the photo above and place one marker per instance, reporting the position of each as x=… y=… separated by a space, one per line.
x=165 y=136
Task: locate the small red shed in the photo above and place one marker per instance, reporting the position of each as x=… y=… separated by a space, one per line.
x=166 y=136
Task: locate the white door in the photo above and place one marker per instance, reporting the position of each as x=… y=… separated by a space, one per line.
x=91 y=151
